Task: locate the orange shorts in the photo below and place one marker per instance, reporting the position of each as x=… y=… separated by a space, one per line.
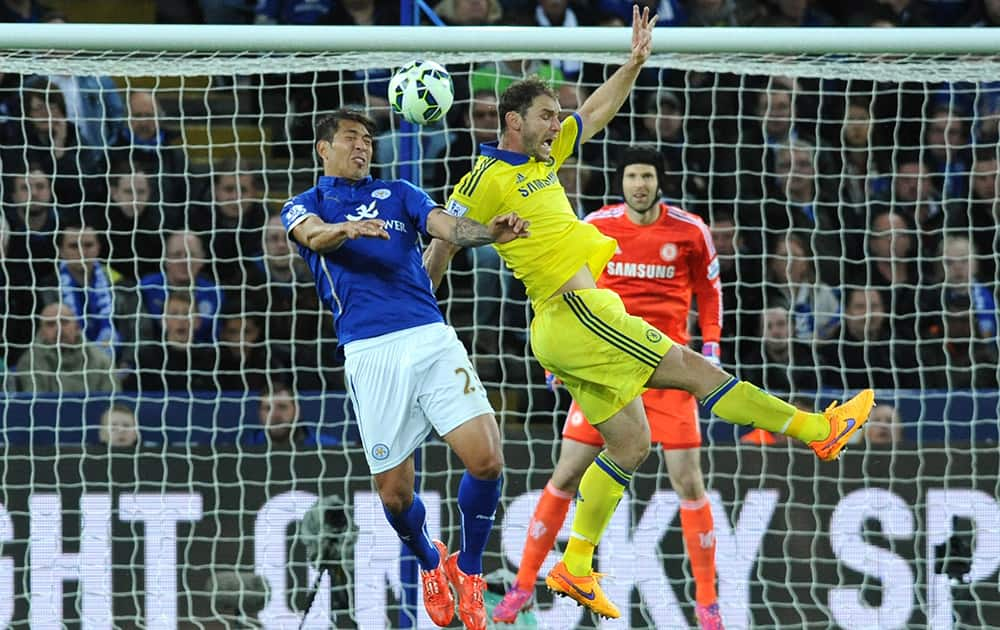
x=672 y=414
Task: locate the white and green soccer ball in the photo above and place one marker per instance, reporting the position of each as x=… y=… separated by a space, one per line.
x=421 y=92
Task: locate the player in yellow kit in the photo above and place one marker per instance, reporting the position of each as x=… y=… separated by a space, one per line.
x=605 y=357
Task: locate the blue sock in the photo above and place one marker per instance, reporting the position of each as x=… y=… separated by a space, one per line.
x=411 y=526
x=477 y=502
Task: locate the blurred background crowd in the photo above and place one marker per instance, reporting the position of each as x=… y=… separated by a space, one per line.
x=140 y=249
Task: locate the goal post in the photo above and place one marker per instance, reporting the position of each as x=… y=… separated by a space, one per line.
x=850 y=181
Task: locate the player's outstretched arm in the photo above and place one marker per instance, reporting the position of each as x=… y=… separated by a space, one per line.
x=323 y=237
x=465 y=232
x=598 y=110
x=452 y=233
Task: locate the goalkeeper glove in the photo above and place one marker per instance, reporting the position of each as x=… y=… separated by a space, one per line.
x=710 y=350
x=552 y=381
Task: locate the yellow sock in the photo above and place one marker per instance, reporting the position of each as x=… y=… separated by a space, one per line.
x=601 y=489
x=740 y=402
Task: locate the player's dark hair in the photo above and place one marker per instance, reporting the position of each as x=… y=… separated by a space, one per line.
x=328 y=125
x=643 y=155
x=519 y=97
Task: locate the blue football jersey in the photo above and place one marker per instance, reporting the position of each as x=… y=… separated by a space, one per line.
x=373 y=286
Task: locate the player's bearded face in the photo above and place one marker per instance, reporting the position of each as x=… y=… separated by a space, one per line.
x=349 y=154
x=640 y=187
x=540 y=127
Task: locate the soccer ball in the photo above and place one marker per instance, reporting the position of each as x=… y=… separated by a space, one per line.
x=421 y=92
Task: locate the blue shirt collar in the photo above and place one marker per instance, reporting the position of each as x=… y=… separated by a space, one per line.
x=490 y=149
x=328 y=181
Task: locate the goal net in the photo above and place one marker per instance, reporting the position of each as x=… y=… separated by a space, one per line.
x=173 y=400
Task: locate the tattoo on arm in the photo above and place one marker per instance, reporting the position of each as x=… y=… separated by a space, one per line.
x=469 y=233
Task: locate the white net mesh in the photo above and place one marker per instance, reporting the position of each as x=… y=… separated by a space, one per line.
x=853 y=200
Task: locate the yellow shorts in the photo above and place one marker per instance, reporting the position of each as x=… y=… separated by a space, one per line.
x=603 y=355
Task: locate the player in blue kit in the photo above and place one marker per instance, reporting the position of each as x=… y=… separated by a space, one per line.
x=406 y=370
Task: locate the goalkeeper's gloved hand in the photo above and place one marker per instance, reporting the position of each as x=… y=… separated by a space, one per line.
x=710 y=350
x=552 y=381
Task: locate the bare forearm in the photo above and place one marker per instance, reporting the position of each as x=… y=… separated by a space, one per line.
x=468 y=233
x=607 y=99
x=437 y=257
x=327 y=239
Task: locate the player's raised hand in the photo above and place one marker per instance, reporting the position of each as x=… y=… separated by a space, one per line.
x=642 y=34
x=369 y=228
x=507 y=227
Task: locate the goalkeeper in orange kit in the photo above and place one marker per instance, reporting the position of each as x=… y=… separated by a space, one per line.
x=664 y=257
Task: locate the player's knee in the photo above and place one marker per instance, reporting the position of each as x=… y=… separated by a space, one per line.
x=630 y=455
x=489 y=466
x=567 y=480
x=396 y=497
x=689 y=487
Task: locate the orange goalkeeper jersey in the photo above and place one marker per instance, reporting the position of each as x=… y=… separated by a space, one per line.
x=658 y=267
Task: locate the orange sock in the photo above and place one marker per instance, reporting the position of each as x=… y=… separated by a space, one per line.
x=542 y=531
x=699 y=538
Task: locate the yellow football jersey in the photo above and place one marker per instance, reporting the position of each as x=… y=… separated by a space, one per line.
x=560 y=244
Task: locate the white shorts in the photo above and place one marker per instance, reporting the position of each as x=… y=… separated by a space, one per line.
x=405 y=383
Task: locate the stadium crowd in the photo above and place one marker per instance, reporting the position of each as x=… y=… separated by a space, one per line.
x=855 y=221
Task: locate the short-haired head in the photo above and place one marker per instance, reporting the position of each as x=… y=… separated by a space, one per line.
x=520 y=95
x=328 y=125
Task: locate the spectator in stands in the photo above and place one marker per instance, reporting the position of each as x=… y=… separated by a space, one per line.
x=990 y=15
x=33 y=222
x=478 y=123
x=559 y=13
x=768 y=123
x=16 y=305
x=145 y=144
x=298 y=330
x=619 y=12
x=294 y=11
x=947 y=141
x=892 y=268
x=86 y=286
x=780 y=363
x=885 y=427
x=185 y=259
x=119 y=427
x=497 y=76
x=133 y=224
x=21 y=11
x=279 y=420
x=797 y=202
x=791 y=280
x=720 y=13
x=981 y=213
x=865 y=353
x=959 y=267
x=363 y=13
x=575 y=178
x=687 y=168
x=793 y=13
x=469 y=13
x=177 y=363
x=986 y=128
x=739 y=273
x=246 y=363
x=231 y=232
x=52 y=142
x=863 y=176
x=953 y=355
x=61 y=360
x=916 y=197
x=95 y=106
